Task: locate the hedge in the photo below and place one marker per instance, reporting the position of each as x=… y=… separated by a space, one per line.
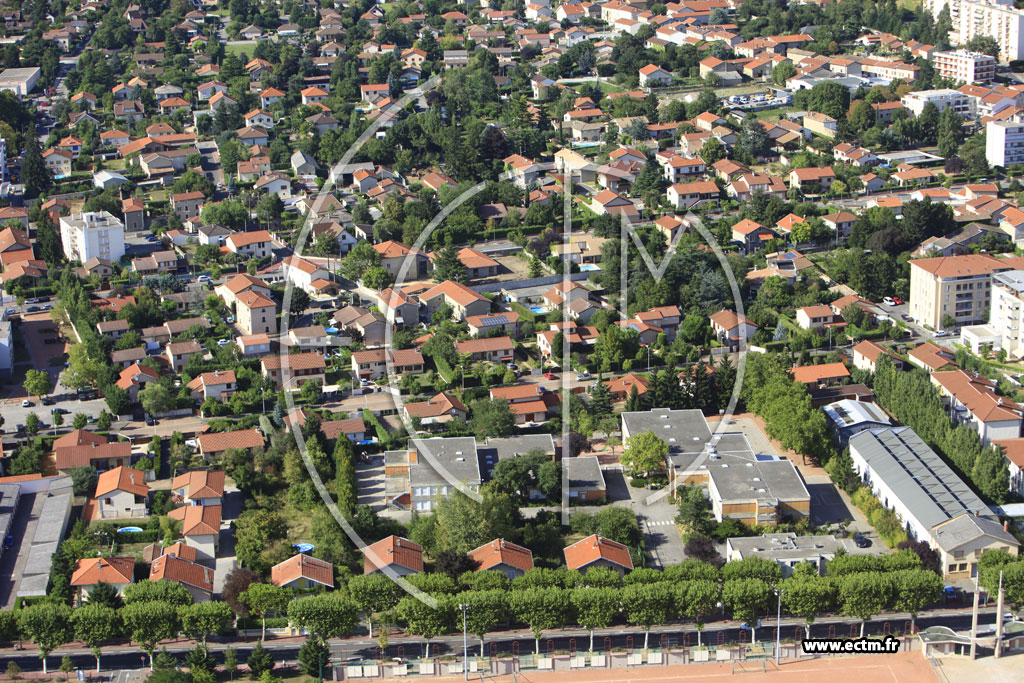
x=147 y=536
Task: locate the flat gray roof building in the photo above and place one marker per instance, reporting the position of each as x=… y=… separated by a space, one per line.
x=788 y=549
x=20 y=81
x=912 y=479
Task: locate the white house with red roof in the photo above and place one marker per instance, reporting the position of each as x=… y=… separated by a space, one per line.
x=503 y=556
x=598 y=551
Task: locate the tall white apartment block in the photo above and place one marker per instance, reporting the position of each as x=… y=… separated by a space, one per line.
x=996 y=18
x=1004 y=143
x=1006 y=313
x=95 y=234
x=966 y=66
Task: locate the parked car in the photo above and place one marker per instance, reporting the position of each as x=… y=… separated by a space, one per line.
x=897 y=300
x=26 y=403
x=203 y=278
x=150 y=420
x=48 y=401
x=8 y=541
x=33 y=309
x=550 y=375
x=861 y=541
x=889 y=301
x=223 y=342
x=941 y=333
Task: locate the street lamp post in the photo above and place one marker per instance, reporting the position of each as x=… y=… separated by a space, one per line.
x=778 y=628
x=465 y=644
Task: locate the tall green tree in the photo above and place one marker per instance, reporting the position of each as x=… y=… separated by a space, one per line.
x=147 y=623
x=34 y=173
x=647 y=604
x=807 y=597
x=48 y=625
x=595 y=608
x=94 y=623
x=486 y=609
x=865 y=595
x=448 y=265
x=541 y=609
x=700 y=599
x=645 y=454
x=373 y=593
x=203 y=619
x=747 y=598
x=915 y=590
x=327 y=615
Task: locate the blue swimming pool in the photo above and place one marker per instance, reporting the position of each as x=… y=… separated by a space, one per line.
x=536 y=309
x=586 y=267
x=130 y=530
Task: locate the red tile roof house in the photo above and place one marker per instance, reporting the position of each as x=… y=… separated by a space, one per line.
x=302 y=368
x=302 y=572
x=500 y=555
x=731 y=328
x=597 y=551
x=817 y=375
x=750 y=235
x=529 y=403
x=121 y=493
x=199 y=487
x=439 y=409
x=976 y=404
x=218 y=385
x=197 y=579
x=214 y=444
x=495 y=349
x=931 y=357
x=101 y=455
x=867 y=352
x=393 y=554
x=200 y=525
x=818 y=317
x=622 y=387
x=812 y=178
x=117 y=571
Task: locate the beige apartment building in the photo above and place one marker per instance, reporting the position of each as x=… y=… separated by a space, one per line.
x=958 y=286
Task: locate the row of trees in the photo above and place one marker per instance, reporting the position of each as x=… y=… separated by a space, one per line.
x=542 y=600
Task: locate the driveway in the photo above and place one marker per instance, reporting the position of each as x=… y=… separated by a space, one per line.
x=655 y=515
x=225 y=562
x=370 y=483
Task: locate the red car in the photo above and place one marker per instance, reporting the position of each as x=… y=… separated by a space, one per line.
x=897 y=300
x=549 y=375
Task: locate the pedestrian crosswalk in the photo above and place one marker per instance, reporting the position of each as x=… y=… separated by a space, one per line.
x=663 y=522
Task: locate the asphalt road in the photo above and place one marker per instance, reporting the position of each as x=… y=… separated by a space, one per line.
x=124 y=657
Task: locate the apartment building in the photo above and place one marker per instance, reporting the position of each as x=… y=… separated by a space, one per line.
x=94 y=234
x=942 y=98
x=956 y=286
x=964 y=65
x=995 y=18
x=1004 y=143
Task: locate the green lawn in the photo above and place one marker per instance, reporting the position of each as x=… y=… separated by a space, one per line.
x=237 y=49
x=605 y=87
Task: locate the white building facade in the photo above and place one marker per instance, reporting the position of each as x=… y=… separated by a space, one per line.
x=94 y=234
